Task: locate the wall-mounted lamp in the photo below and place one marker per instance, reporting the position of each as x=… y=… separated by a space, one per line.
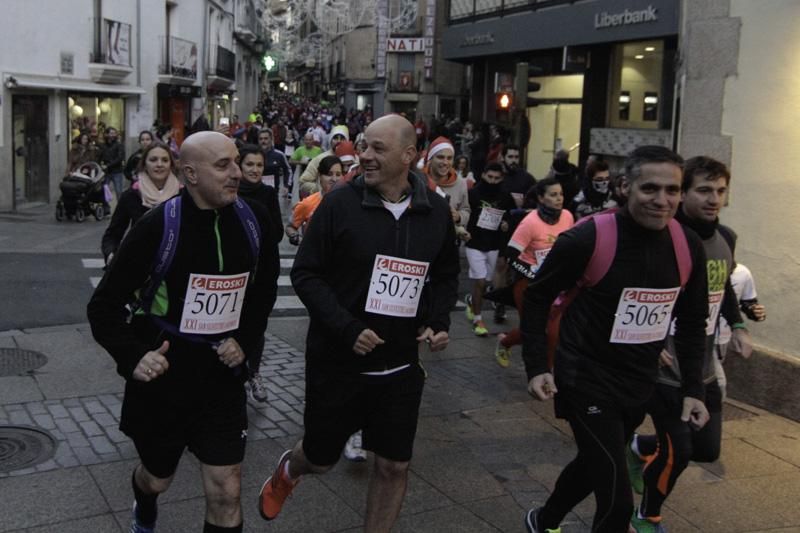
x=11 y=82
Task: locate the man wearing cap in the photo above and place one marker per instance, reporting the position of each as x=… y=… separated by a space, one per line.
x=308 y=179
x=442 y=179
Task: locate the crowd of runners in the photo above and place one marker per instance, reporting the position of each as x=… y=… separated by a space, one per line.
x=627 y=292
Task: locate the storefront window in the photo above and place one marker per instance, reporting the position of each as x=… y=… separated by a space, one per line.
x=93 y=114
x=637 y=84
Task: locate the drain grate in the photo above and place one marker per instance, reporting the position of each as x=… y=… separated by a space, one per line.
x=23 y=447
x=14 y=361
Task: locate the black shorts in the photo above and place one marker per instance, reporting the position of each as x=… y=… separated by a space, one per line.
x=215 y=433
x=386 y=408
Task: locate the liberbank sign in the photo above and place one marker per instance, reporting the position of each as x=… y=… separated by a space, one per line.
x=625 y=18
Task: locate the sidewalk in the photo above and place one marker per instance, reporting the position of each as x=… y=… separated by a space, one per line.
x=484 y=453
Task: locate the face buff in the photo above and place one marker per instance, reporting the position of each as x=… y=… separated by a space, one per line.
x=600 y=186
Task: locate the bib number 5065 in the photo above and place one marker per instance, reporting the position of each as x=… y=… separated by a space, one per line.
x=637 y=315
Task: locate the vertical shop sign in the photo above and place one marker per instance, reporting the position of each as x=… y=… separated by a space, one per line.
x=430 y=24
x=383 y=36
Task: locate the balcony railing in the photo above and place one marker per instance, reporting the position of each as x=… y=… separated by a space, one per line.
x=178 y=58
x=467 y=10
x=222 y=63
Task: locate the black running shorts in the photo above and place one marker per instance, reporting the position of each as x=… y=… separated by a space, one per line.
x=386 y=408
x=215 y=433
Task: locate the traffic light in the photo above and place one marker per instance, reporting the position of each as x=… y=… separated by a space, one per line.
x=523 y=86
x=504 y=101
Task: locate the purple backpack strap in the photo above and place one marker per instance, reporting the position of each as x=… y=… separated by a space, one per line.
x=251 y=227
x=682 y=253
x=166 y=250
x=605 y=247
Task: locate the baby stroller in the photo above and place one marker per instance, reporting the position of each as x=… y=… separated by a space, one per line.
x=82 y=193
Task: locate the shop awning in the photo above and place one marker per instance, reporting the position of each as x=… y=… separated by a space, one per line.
x=14 y=81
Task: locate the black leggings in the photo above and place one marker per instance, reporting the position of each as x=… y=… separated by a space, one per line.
x=675 y=443
x=601 y=433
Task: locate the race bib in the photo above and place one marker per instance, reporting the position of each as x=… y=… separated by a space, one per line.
x=396 y=286
x=268 y=180
x=643 y=315
x=714 y=305
x=540 y=255
x=213 y=303
x=490 y=218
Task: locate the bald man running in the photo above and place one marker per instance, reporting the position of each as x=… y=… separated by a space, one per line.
x=378 y=272
x=196 y=315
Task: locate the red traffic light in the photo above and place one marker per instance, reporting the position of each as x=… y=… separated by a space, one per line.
x=503 y=101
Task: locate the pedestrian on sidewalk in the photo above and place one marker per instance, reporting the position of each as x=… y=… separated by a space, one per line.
x=154 y=183
x=627 y=273
x=656 y=461
x=198 y=311
x=251 y=162
x=378 y=272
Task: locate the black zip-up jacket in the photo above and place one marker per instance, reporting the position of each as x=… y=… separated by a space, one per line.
x=198 y=251
x=333 y=269
x=129 y=210
x=268 y=197
x=113 y=155
x=586 y=362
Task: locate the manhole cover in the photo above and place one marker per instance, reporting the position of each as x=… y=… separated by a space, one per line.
x=23 y=447
x=14 y=361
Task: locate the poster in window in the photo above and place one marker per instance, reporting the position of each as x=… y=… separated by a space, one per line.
x=117 y=43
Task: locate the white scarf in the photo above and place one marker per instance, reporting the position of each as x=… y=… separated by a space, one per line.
x=152 y=195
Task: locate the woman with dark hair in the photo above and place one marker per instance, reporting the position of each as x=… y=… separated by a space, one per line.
x=145 y=140
x=331 y=171
x=528 y=248
x=251 y=187
x=83 y=151
x=154 y=183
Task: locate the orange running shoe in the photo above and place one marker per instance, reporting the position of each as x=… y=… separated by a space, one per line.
x=276 y=489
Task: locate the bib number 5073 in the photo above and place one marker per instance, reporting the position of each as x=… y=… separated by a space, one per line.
x=397 y=286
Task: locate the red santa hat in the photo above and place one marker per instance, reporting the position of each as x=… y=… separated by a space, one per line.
x=439 y=144
x=346 y=152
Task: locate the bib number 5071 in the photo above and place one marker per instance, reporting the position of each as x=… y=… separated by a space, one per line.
x=213 y=303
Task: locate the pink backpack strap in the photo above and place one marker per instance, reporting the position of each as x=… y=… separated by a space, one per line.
x=605 y=247
x=682 y=253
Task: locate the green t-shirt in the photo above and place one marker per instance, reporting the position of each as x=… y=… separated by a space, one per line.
x=302 y=152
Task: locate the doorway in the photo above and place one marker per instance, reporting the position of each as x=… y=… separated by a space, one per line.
x=553 y=126
x=31 y=172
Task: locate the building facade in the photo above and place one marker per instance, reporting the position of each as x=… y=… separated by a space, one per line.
x=716 y=78
x=116 y=64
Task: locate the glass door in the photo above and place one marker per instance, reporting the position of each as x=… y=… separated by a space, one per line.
x=31 y=149
x=553 y=127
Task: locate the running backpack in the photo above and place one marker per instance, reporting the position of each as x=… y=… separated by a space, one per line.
x=169 y=243
x=605 y=248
